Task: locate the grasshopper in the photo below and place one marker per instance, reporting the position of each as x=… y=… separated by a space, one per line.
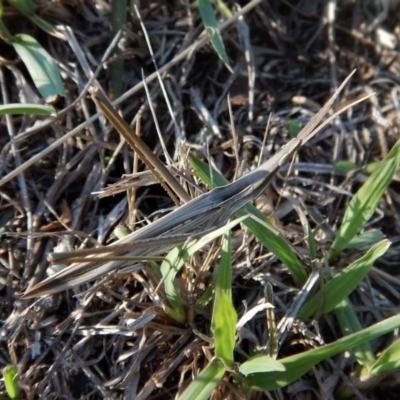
x=206 y=212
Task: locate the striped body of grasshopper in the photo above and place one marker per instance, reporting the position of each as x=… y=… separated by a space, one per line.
x=206 y=212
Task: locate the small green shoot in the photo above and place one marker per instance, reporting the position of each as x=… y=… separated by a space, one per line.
x=170 y=267
x=388 y=360
x=213 y=32
x=29 y=109
x=175 y=260
x=224 y=317
x=345 y=167
x=204 y=384
x=41 y=67
x=27 y=8
x=294 y=128
x=299 y=364
x=365 y=201
x=342 y=284
x=4 y=32
x=349 y=323
x=11 y=382
x=365 y=240
x=261 y=364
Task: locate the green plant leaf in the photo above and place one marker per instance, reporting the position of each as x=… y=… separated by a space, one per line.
x=11 y=382
x=365 y=239
x=388 y=360
x=213 y=32
x=299 y=364
x=260 y=363
x=26 y=7
x=272 y=240
x=365 y=201
x=204 y=383
x=345 y=166
x=4 y=32
x=349 y=324
x=294 y=128
x=174 y=261
x=41 y=67
x=206 y=297
x=33 y=109
x=222 y=8
x=342 y=284
x=169 y=268
x=224 y=317
x=42 y=24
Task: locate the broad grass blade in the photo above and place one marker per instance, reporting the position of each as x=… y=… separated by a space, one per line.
x=301 y=363
x=204 y=384
x=342 y=284
x=30 y=109
x=175 y=260
x=11 y=382
x=224 y=317
x=41 y=67
x=349 y=323
x=365 y=201
x=260 y=364
x=388 y=360
x=212 y=29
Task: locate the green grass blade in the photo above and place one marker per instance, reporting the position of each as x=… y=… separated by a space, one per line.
x=349 y=324
x=268 y=237
x=294 y=128
x=365 y=239
x=206 y=297
x=213 y=32
x=203 y=385
x=203 y=171
x=42 y=24
x=260 y=364
x=345 y=167
x=365 y=201
x=275 y=243
x=32 y=109
x=299 y=364
x=388 y=360
x=169 y=268
x=41 y=67
x=174 y=261
x=342 y=284
x=11 y=382
x=222 y=8
x=224 y=317
x=26 y=7
x=4 y=32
